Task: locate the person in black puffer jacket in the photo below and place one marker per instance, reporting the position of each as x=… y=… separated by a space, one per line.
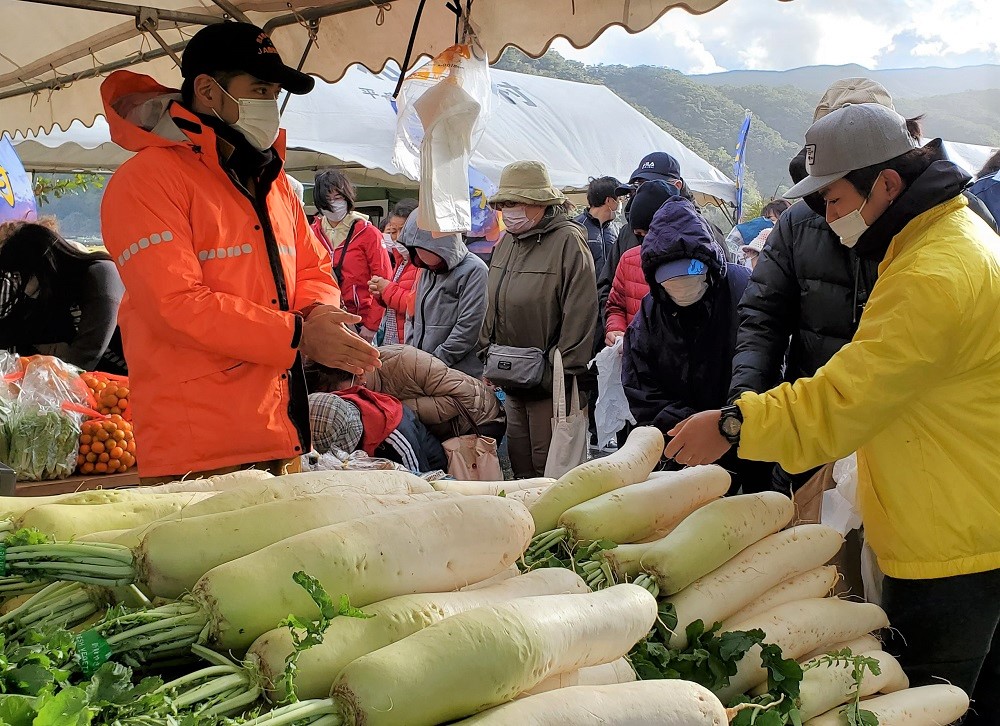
x=807 y=292
x=679 y=347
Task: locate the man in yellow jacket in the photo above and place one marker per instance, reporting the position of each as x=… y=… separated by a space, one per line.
x=916 y=394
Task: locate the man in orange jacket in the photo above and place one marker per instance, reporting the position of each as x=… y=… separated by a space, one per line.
x=226 y=286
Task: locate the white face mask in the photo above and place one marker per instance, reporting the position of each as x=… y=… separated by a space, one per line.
x=851 y=226
x=258 y=121
x=337 y=211
x=686 y=290
x=515 y=220
x=387 y=240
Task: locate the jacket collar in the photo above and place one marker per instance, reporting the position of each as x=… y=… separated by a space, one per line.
x=941 y=181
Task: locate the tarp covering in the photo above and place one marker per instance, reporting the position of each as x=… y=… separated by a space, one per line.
x=41 y=44
x=579 y=130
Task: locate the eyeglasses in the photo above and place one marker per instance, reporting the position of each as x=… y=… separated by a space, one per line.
x=506 y=205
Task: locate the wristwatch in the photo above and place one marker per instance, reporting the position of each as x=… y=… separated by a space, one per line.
x=730 y=423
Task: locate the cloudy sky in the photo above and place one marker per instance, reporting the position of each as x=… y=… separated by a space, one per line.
x=773 y=35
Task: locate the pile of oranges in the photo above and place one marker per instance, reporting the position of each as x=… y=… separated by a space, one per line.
x=106 y=446
x=111 y=394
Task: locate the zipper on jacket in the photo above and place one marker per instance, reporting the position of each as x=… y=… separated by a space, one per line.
x=496 y=300
x=423 y=311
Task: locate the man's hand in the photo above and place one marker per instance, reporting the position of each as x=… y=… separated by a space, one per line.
x=327 y=339
x=612 y=337
x=697 y=440
x=377 y=285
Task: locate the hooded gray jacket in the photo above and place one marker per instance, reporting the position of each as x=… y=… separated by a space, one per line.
x=449 y=306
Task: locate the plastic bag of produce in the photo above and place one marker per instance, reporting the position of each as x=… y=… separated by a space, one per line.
x=11 y=374
x=43 y=436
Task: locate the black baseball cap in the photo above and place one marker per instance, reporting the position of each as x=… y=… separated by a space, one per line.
x=241 y=47
x=656 y=166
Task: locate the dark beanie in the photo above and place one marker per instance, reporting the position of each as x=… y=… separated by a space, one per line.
x=647 y=199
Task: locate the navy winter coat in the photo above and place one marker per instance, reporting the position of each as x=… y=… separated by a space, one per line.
x=678 y=361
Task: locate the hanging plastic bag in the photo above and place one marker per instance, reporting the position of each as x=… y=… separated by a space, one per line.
x=442 y=112
x=611 y=412
x=43 y=434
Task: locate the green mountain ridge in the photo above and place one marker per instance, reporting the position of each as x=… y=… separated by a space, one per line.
x=704 y=112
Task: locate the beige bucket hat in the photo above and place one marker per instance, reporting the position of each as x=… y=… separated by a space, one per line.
x=527 y=182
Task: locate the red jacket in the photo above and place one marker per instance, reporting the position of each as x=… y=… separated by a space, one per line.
x=627 y=292
x=208 y=317
x=366 y=258
x=398 y=295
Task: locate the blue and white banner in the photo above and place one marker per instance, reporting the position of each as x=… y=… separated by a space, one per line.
x=740 y=164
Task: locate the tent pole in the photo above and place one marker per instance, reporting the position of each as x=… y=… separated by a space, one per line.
x=104 y=6
x=57 y=83
x=232 y=10
x=306 y=14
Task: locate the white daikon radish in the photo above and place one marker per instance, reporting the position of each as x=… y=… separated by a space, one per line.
x=608 y=674
x=802 y=627
x=750 y=574
x=174 y=554
x=491 y=487
x=815 y=583
x=713 y=535
x=108 y=535
x=347 y=639
x=825 y=687
x=220 y=483
x=433 y=547
x=635 y=512
x=512 y=571
x=863 y=644
x=66 y=522
x=631 y=464
x=297 y=485
x=494 y=653
x=527 y=497
x=924 y=706
x=643 y=703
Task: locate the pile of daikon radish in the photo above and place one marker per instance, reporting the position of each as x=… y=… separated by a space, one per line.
x=453 y=630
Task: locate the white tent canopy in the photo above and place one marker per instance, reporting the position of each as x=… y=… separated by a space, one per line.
x=579 y=130
x=54 y=52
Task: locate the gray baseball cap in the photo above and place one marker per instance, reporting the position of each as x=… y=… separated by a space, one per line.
x=850 y=138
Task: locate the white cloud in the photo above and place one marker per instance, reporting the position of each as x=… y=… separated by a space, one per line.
x=767 y=34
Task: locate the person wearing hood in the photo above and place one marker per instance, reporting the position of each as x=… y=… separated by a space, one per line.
x=679 y=346
x=225 y=284
x=449 y=303
x=355 y=246
x=630 y=286
x=542 y=297
x=658 y=166
x=914 y=393
x=396 y=294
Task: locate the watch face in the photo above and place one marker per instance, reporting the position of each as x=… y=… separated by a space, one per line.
x=731 y=426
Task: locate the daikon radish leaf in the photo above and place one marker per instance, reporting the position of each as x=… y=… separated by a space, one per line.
x=306 y=633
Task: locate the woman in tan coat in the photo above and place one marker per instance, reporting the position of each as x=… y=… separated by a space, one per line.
x=542 y=295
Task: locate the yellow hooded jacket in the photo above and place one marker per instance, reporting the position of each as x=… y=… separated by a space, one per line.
x=917 y=394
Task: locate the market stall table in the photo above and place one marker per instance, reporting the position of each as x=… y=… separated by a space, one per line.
x=75 y=484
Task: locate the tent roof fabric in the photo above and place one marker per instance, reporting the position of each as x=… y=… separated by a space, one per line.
x=43 y=44
x=579 y=130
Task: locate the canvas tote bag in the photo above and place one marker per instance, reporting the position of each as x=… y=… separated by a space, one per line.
x=570 y=429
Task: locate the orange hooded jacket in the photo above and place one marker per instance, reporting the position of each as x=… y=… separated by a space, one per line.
x=212 y=285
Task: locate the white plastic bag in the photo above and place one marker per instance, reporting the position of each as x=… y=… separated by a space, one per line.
x=840 y=505
x=443 y=108
x=611 y=412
